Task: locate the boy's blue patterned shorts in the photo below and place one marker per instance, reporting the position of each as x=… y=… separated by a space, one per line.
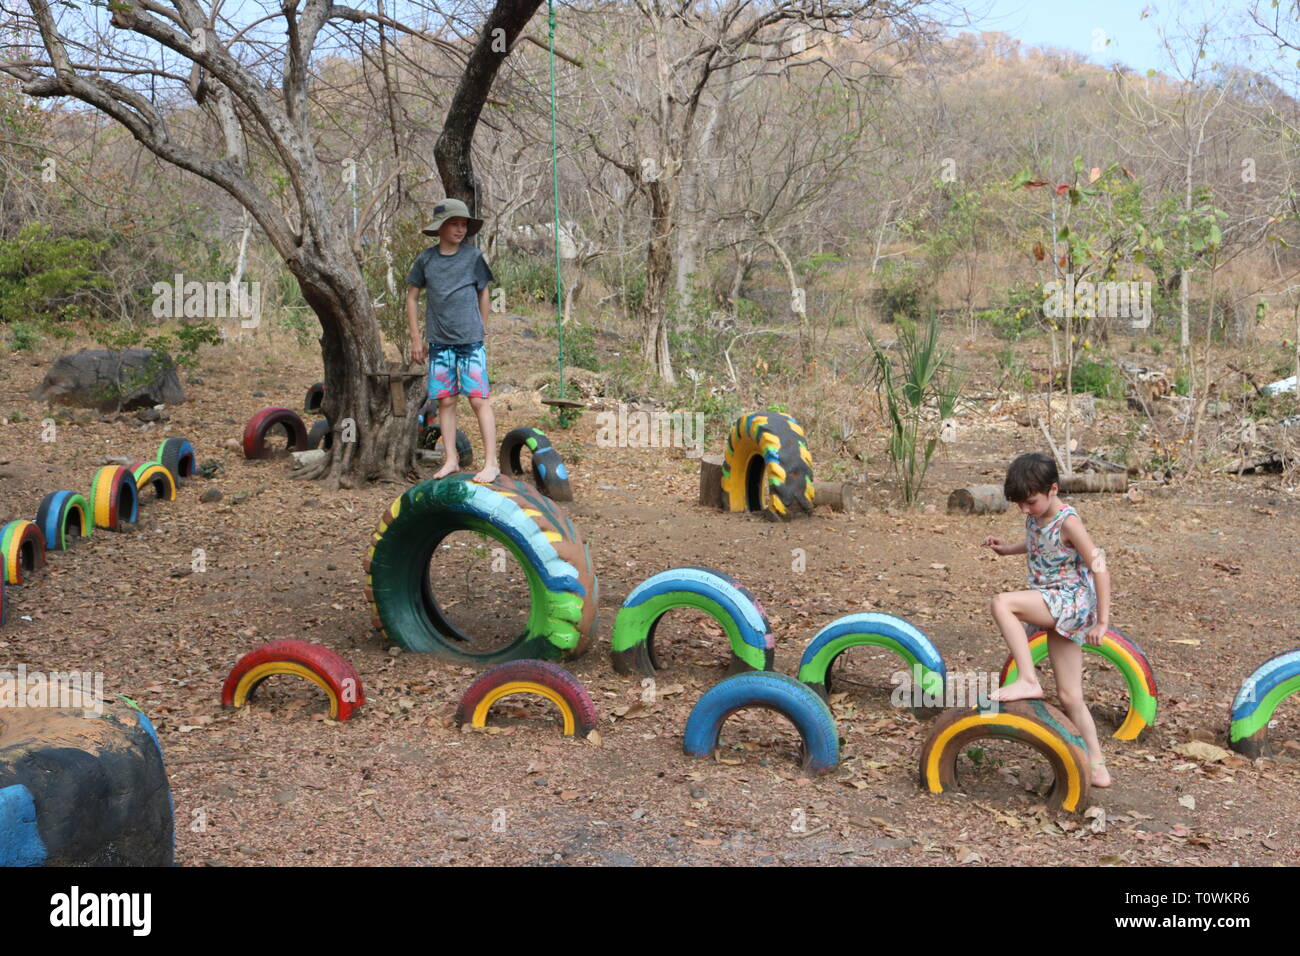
x=458 y=370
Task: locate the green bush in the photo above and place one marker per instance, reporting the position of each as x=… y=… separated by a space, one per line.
x=904 y=290
x=579 y=344
x=1102 y=379
x=23 y=337
x=50 y=278
x=526 y=279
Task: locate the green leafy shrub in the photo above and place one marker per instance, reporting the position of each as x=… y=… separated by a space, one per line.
x=905 y=290
x=1102 y=379
x=50 y=278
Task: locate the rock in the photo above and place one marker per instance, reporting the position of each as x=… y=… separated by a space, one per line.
x=234 y=444
x=241 y=497
x=302 y=459
x=259 y=394
x=208 y=469
x=149 y=415
x=698 y=793
x=210 y=495
x=111 y=381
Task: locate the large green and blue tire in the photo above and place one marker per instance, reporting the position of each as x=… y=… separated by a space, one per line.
x=563 y=589
x=778 y=692
x=767 y=466
x=1271 y=683
x=718 y=595
x=924 y=662
x=549 y=473
x=63 y=516
x=83 y=789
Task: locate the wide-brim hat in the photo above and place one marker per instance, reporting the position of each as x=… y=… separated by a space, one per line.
x=450 y=209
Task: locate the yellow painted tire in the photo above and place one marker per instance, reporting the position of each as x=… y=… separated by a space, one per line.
x=541 y=678
x=767 y=466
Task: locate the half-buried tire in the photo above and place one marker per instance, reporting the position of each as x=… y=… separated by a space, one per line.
x=431 y=434
x=542 y=678
x=767 y=459
x=315 y=395
x=263 y=422
x=78 y=790
x=150 y=475
x=314 y=662
x=549 y=473
x=321 y=435
x=63 y=517
x=563 y=589
x=114 y=498
x=22 y=547
x=177 y=456
x=1252 y=709
x=779 y=692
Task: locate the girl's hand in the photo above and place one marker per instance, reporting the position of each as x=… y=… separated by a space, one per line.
x=1096 y=633
x=996 y=544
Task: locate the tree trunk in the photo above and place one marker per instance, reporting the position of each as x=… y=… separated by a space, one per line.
x=658 y=270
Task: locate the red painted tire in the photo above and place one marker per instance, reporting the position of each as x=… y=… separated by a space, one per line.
x=313 y=662
x=22 y=548
x=268 y=418
x=530 y=677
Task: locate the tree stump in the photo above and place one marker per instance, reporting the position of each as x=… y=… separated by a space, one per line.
x=837 y=495
x=711 y=481
x=977 y=500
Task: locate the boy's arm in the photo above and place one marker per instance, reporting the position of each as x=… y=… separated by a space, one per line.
x=484 y=307
x=1078 y=538
x=413 y=324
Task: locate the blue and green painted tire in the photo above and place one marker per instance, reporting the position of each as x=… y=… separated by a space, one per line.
x=1271 y=683
x=872 y=629
x=177 y=456
x=549 y=473
x=61 y=512
x=562 y=584
x=779 y=692
x=767 y=466
x=719 y=595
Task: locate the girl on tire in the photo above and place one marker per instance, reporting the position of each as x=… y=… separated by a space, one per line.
x=1069 y=595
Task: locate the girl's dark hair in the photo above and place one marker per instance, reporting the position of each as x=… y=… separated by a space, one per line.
x=1032 y=474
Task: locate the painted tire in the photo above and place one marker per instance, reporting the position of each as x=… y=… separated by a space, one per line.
x=530 y=677
x=549 y=474
x=779 y=692
x=150 y=474
x=314 y=662
x=114 y=498
x=23 y=548
x=1124 y=653
x=430 y=435
x=61 y=512
x=1271 y=683
x=767 y=450
x=320 y=436
x=256 y=430
x=83 y=789
x=177 y=456
x=1033 y=722
x=564 y=590
x=872 y=629
x=315 y=395
x=719 y=595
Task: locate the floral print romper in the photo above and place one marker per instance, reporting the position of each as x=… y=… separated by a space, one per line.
x=1058 y=572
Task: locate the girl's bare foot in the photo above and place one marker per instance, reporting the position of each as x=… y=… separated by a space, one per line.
x=488 y=474
x=1100 y=775
x=1018 y=690
x=450 y=466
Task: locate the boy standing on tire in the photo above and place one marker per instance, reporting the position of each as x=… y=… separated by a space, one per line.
x=455 y=278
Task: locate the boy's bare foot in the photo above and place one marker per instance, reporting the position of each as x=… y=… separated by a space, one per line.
x=1018 y=690
x=488 y=474
x=450 y=466
x=1100 y=775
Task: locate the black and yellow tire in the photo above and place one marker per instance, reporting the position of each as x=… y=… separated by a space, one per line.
x=767 y=466
x=22 y=547
x=114 y=498
x=1035 y=723
x=80 y=788
x=151 y=474
x=563 y=588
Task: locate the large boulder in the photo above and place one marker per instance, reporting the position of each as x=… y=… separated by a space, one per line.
x=111 y=381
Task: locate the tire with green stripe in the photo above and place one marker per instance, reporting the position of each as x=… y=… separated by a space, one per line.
x=1268 y=685
x=114 y=498
x=563 y=588
x=549 y=472
x=63 y=517
x=177 y=456
x=152 y=475
x=767 y=466
x=22 y=548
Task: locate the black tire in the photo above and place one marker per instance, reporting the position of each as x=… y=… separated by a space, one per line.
x=177 y=456
x=78 y=791
x=315 y=395
x=549 y=473
x=320 y=436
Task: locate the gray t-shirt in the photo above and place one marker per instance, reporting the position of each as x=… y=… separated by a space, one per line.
x=451 y=284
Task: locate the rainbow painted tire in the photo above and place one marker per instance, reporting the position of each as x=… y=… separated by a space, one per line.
x=63 y=517
x=1124 y=653
x=177 y=456
x=114 y=498
x=564 y=591
x=22 y=547
x=718 y=595
x=924 y=662
x=543 y=678
x=315 y=395
x=779 y=692
x=1035 y=723
x=268 y=418
x=549 y=474
x=150 y=474
x=767 y=457
x=79 y=788
x=1271 y=683
x=313 y=662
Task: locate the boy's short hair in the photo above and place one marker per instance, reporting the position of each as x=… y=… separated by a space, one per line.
x=1029 y=475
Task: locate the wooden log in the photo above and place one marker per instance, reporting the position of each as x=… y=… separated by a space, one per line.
x=1094 y=483
x=711 y=481
x=977 y=500
x=836 y=495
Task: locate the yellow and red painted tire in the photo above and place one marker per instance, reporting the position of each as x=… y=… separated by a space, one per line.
x=151 y=474
x=22 y=547
x=1035 y=723
x=313 y=662
x=114 y=498
x=541 y=678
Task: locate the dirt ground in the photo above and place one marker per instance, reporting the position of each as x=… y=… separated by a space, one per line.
x=1204 y=577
